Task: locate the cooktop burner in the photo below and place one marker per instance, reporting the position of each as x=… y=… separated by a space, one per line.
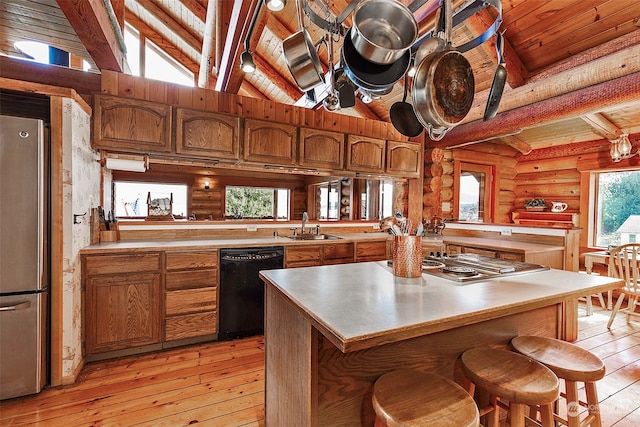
x=464 y=268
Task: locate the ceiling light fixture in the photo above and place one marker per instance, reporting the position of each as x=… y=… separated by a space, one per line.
x=246 y=59
x=621 y=148
x=275 y=5
x=246 y=62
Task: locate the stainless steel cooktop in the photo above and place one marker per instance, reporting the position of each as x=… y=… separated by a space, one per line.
x=464 y=268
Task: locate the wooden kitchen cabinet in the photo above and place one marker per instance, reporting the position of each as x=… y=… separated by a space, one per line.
x=131 y=124
x=270 y=143
x=365 y=154
x=206 y=134
x=371 y=251
x=321 y=149
x=302 y=256
x=338 y=253
x=123 y=302
x=191 y=294
x=404 y=159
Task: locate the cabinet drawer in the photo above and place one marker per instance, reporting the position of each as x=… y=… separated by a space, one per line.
x=371 y=251
x=114 y=264
x=477 y=251
x=511 y=256
x=302 y=255
x=343 y=251
x=188 y=279
x=191 y=259
x=191 y=325
x=190 y=301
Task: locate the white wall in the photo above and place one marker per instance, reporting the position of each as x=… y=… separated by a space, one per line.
x=81 y=192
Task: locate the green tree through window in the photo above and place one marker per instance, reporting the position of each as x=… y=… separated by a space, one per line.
x=618 y=198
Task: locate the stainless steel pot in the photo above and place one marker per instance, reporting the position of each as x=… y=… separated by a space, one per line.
x=443 y=90
x=375 y=78
x=383 y=30
x=302 y=58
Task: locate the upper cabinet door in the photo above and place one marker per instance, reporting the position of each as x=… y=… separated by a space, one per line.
x=321 y=149
x=404 y=158
x=131 y=124
x=205 y=134
x=273 y=143
x=365 y=154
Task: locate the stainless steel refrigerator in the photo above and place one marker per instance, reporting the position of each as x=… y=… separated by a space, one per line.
x=23 y=257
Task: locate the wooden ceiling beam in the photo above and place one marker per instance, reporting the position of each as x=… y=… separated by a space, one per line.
x=197 y=9
x=207 y=54
x=616 y=93
x=247 y=89
x=602 y=126
x=229 y=74
x=516 y=143
x=91 y=22
x=179 y=29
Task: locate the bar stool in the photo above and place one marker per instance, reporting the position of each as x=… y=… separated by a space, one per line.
x=573 y=364
x=506 y=375
x=408 y=397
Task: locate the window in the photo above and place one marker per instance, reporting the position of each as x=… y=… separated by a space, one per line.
x=473 y=191
x=254 y=202
x=617 y=216
x=157 y=64
x=130 y=198
x=329 y=200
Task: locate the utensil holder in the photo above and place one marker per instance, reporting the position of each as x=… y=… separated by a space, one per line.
x=407 y=256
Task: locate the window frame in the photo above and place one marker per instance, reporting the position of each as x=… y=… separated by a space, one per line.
x=490 y=172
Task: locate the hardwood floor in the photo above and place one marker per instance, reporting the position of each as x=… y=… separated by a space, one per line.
x=222 y=384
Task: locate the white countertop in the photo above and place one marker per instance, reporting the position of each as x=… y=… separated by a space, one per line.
x=361 y=305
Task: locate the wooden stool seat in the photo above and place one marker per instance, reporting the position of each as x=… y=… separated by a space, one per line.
x=510 y=376
x=415 y=398
x=573 y=364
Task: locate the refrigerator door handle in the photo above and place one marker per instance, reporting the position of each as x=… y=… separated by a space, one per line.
x=20 y=306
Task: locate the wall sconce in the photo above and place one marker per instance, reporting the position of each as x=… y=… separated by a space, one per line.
x=206 y=185
x=122 y=162
x=621 y=148
x=275 y=5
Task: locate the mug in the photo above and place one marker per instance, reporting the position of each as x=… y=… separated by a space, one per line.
x=558 y=206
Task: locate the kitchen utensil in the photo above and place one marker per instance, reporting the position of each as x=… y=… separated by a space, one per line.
x=404 y=118
x=369 y=75
x=443 y=86
x=383 y=31
x=301 y=57
x=499 y=80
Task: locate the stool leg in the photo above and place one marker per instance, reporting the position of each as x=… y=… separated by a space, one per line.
x=546 y=415
x=592 y=401
x=516 y=410
x=573 y=404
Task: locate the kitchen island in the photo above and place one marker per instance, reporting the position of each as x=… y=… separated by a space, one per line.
x=331 y=331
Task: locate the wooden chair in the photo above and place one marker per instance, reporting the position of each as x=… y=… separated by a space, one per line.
x=414 y=398
x=573 y=364
x=624 y=263
x=509 y=376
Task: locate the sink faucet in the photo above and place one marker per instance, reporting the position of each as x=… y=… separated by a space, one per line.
x=305 y=218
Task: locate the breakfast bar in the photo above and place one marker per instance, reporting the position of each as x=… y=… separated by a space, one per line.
x=331 y=331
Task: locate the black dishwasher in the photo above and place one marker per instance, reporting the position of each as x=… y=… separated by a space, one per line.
x=241 y=308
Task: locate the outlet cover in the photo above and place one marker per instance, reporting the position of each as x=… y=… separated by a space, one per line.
x=505 y=232
x=252 y=228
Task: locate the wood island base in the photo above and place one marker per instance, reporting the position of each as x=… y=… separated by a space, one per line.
x=310 y=382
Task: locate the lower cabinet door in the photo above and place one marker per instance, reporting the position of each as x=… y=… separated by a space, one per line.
x=191 y=325
x=122 y=311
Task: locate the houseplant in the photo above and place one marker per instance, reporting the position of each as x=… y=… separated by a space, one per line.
x=535 y=205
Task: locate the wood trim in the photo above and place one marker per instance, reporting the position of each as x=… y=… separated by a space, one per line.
x=56 y=289
x=22 y=86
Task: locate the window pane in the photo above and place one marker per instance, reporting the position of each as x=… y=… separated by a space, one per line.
x=132 y=41
x=253 y=202
x=471 y=196
x=131 y=197
x=618 y=208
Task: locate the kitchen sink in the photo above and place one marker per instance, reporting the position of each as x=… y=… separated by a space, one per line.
x=313 y=237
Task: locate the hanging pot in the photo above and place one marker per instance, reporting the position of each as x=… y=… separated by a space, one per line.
x=302 y=58
x=404 y=118
x=443 y=87
x=383 y=30
x=377 y=78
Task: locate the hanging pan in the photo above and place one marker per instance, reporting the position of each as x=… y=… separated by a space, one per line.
x=302 y=58
x=404 y=118
x=499 y=80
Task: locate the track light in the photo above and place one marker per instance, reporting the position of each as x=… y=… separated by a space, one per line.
x=275 y=5
x=246 y=62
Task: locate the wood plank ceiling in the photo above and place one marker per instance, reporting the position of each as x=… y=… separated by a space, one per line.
x=573 y=65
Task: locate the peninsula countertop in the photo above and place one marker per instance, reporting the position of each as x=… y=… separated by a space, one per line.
x=362 y=305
